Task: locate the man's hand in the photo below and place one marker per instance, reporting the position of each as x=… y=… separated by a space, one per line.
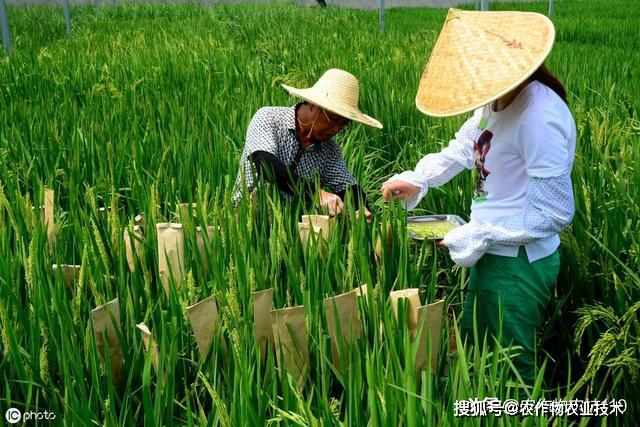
x=366 y=212
x=332 y=201
x=399 y=190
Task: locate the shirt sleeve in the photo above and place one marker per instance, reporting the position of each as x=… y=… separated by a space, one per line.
x=544 y=144
x=436 y=169
x=273 y=170
x=334 y=173
x=261 y=136
x=549 y=210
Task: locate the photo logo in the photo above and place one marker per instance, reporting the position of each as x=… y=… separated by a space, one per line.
x=13 y=415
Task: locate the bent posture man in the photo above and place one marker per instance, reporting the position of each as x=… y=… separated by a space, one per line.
x=287 y=146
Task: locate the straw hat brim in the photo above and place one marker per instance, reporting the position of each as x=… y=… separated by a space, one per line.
x=481 y=56
x=313 y=96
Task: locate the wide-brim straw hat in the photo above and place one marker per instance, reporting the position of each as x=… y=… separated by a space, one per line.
x=336 y=91
x=481 y=56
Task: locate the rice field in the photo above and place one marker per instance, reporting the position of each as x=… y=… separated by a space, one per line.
x=144 y=110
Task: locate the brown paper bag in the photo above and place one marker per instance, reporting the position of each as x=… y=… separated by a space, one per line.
x=413 y=305
x=139 y=219
x=305 y=234
x=150 y=344
x=325 y=222
x=202 y=245
x=70 y=273
x=361 y=291
x=103 y=324
x=290 y=340
x=170 y=254
x=431 y=315
x=343 y=322
x=262 y=306
x=133 y=243
x=48 y=215
x=206 y=324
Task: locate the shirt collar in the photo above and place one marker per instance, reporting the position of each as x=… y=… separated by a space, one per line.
x=291 y=127
x=291 y=119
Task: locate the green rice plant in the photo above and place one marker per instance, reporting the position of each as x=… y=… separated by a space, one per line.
x=146 y=107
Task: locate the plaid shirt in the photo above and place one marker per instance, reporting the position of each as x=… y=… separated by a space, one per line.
x=273 y=129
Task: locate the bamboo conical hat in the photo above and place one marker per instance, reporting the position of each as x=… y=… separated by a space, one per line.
x=480 y=56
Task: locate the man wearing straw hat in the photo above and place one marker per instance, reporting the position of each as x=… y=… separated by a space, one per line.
x=290 y=146
x=520 y=142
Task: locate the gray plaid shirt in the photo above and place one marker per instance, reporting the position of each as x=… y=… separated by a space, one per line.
x=273 y=129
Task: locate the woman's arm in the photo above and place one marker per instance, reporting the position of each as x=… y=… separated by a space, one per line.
x=436 y=169
x=549 y=210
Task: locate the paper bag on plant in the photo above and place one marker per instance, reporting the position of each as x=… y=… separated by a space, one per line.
x=133 y=244
x=324 y=222
x=70 y=273
x=305 y=230
x=150 y=344
x=106 y=323
x=430 y=316
x=206 y=325
x=413 y=306
x=262 y=306
x=361 y=291
x=170 y=254
x=204 y=244
x=343 y=323
x=139 y=219
x=290 y=340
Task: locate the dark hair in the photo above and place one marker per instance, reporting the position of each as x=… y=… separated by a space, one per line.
x=544 y=76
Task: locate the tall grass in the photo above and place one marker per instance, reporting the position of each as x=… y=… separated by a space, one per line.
x=147 y=106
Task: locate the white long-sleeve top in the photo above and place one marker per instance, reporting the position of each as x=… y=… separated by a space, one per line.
x=523 y=157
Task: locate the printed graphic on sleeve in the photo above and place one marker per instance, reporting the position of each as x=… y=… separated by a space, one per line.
x=481 y=147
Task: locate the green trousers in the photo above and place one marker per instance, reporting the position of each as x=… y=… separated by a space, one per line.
x=516 y=292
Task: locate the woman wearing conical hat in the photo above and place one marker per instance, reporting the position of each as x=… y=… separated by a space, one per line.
x=288 y=146
x=520 y=143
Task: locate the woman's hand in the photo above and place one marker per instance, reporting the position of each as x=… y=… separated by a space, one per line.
x=399 y=190
x=331 y=201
